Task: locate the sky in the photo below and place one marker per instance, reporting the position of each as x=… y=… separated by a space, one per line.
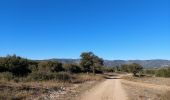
x=112 y=29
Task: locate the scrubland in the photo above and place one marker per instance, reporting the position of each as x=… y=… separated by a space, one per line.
x=51 y=89
x=147 y=88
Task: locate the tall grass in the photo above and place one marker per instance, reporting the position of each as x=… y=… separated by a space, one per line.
x=42 y=76
x=6 y=76
x=166 y=96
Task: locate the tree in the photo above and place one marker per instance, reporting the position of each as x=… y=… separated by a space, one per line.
x=135 y=68
x=132 y=68
x=97 y=64
x=50 y=66
x=89 y=61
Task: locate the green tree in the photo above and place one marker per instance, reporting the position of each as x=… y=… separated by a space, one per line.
x=87 y=61
x=97 y=64
x=132 y=68
x=135 y=68
x=90 y=61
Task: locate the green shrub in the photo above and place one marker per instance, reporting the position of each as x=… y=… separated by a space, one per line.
x=149 y=71
x=72 y=68
x=15 y=64
x=20 y=71
x=33 y=66
x=50 y=66
x=163 y=72
x=39 y=76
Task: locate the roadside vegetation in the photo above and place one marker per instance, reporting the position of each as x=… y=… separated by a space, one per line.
x=150 y=86
x=22 y=78
x=133 y=68
x=16 y=68
x=158 y=72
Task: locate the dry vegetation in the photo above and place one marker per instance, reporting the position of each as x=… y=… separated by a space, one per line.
x=21 y=78
x=150 y=80
x=19 y=91
x=143 y=91
x=11 y=90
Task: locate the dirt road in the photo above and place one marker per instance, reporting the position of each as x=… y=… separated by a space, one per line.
x=110 y=89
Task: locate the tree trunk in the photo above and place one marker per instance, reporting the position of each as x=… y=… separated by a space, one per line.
x=93 y=70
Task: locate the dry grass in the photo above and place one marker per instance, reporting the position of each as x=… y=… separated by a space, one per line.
x=165 y=96
x=88 y=77
x=12 y=90
x=19 y=91
x=139 y=92
x=150 y=80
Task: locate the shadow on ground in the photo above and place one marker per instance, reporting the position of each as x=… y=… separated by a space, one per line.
x=111 y=76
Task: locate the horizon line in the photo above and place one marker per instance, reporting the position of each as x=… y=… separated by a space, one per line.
x=32 y=58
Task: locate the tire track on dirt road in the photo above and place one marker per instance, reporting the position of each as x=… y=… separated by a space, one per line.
x=110 y=89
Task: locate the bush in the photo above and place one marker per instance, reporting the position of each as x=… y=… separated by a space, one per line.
x=108 y=69
x=39 y=76
x=163 y=72
x=43 y=76
x=72 y=68
x=33 y=66
x=50 y=66
x=3 y=69
x=6 y=76
x=20 y=71
x=17 y=65
x=149 y=71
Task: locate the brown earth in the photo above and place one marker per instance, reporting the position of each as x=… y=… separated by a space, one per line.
x=110 y=89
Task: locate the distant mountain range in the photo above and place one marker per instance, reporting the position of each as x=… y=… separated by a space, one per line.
x=145 y=63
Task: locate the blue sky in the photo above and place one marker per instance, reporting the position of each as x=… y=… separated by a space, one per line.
x=112 y=29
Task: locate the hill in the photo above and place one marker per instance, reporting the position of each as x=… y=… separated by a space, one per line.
x=145 y=63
